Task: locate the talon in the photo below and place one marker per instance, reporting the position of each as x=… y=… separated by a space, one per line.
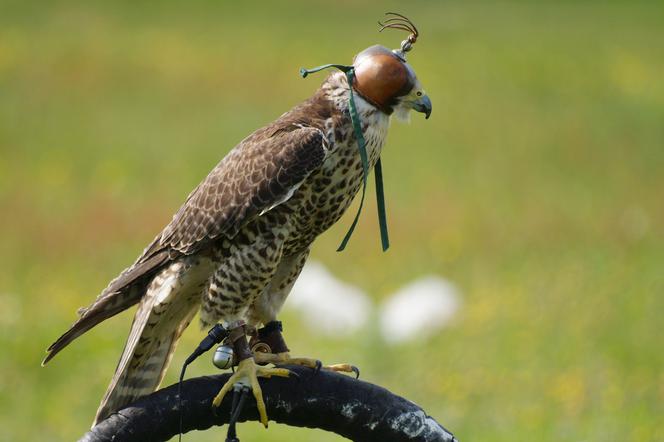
x=227 y=386
x=258 y=395
x=247 y=373
x=317 y=365
x=345 y=368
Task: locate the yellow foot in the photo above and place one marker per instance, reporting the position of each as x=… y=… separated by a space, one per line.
x=344 y=368
x=286 y=359
x=248 y=372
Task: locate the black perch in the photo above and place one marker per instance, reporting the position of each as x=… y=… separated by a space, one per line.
x=352 y=408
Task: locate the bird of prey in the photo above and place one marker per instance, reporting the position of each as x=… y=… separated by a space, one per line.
x=236 y=246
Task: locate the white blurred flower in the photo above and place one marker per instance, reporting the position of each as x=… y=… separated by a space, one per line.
x=328 y=305
x=419 y=309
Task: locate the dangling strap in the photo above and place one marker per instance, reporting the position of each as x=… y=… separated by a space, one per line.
x=380 y=204
x=362 y=147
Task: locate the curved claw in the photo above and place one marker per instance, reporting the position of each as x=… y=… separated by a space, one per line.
x=318 y=366
x=343 y=368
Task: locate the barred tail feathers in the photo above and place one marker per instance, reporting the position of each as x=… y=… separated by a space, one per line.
x=165 y=311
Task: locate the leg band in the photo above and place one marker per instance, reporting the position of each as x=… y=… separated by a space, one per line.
x=238 y=339
x=270 y=336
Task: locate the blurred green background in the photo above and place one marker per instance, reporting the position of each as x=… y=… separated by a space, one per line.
x=537 y=187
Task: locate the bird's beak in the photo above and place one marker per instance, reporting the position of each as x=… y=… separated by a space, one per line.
x=423 y=104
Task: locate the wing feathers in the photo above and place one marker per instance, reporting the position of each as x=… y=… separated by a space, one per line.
x=260 y=173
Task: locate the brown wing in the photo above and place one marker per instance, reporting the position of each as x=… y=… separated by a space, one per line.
x=258 y=174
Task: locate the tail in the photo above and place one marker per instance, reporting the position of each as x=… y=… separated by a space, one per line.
x=165 y=311
x=123 y=292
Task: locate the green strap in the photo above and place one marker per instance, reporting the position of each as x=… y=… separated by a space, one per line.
x=361 y=145
x=380 y=204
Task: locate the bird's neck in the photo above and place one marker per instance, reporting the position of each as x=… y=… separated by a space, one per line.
x=336 y=89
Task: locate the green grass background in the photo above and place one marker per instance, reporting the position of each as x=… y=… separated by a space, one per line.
x=537 y=187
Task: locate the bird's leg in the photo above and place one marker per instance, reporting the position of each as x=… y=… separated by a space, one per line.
x=269 y=347
x=247 y=372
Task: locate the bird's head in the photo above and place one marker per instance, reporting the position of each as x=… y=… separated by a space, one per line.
x=386 y=80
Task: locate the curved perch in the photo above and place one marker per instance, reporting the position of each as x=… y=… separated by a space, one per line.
x=351 y=408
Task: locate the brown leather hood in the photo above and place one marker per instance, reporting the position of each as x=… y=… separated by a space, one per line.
x=381 y=76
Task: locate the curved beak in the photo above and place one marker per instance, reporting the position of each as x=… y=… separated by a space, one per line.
x=423 y=104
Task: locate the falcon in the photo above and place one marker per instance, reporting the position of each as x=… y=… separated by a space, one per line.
x=236 y=246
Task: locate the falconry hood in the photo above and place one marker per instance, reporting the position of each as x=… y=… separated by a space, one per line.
x=382 y=76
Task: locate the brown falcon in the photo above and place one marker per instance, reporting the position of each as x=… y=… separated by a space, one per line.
x=236 y=246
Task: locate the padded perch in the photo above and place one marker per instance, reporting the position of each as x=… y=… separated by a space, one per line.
x=355 y=409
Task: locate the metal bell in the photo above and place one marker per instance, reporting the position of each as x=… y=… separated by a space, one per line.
x=223 y=357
